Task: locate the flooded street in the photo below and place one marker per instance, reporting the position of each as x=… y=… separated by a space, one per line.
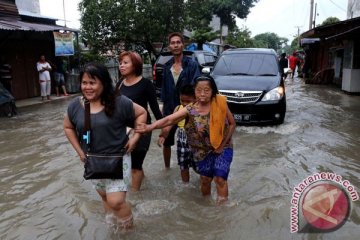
x=43 y=194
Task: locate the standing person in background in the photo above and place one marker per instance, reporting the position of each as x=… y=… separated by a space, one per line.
x=293 y=62
x=178 y=71
x=283 y=63
x=110 y=114
x=209 y=131
x=5 y=74
x=44 y=69
x=60 y=72
x=141 y=91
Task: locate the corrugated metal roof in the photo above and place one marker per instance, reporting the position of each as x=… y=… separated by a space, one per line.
x=14 y=25
x=9 y=9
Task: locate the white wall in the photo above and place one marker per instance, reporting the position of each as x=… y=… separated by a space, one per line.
x=28 y=5
x=353 y=9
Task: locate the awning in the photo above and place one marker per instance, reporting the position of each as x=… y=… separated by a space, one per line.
x=17 y=25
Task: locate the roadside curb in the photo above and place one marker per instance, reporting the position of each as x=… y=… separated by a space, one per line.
x=37 y=100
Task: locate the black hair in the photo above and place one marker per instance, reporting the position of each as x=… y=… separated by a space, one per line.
x=209 y=79
x=108 y=95
x=187 y=90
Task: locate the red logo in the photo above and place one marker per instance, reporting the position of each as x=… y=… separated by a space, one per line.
x=325 y=206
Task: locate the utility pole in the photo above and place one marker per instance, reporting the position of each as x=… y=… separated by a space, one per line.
x=64 y=12
x=298 y=34
x=315 y=16
x=311 y=13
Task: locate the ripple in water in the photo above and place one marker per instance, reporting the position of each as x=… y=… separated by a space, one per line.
x=154 y=207
x=283 y=129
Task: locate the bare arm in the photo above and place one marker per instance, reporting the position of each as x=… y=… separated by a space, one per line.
x=71 y=135
x=231 y=129
x=164 y=122
x=140 y=118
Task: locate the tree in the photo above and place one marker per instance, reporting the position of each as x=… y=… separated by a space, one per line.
x=329 y=20
x=123 y=24
x=198 y=16
x=240 y=38
x=227 y=10
x=270 y=40
x=203 y=35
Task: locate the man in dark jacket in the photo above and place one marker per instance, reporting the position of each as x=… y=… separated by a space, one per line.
x=178 y=71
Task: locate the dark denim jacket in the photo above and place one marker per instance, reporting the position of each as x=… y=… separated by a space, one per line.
x=170 y=94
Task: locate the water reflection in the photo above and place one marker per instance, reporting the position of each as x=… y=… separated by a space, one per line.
x=43 y=195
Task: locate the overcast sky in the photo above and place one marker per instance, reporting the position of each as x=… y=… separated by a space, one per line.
x=282 y=17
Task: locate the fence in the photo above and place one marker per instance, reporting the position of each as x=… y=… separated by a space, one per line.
x=73 y=83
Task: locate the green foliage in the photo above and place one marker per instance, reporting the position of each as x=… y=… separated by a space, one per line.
x=87 y=57
x=270 y=40
x=121 y=24
x=226 y=10
x=240 y=38
x=198 y=14
x=203 y=35
x=117 y=25
x=329 y=20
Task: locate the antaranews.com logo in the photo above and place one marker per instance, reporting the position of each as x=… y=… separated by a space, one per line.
x=321 y=203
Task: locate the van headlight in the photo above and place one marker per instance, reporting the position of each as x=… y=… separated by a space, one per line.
x=274 y=94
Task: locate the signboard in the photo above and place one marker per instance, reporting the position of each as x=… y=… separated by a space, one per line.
x=64 y=45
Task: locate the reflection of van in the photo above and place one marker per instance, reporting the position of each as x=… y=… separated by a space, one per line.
x=203 y=58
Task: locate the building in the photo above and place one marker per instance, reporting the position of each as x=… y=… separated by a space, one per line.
x=24 y=35
x=353 y=9
x=334 y=51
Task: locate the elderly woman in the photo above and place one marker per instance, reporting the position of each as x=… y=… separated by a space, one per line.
x=209 y=130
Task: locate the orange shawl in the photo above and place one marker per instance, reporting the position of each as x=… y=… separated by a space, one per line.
x=218 y=111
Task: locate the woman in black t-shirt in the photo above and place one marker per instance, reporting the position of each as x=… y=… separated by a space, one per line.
x=141 y=91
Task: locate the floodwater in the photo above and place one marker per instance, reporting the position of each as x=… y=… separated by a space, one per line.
x=43 y=195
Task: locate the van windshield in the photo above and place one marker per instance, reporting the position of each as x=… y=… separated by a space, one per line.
x=250 y=64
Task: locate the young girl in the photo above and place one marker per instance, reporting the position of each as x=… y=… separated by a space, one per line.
x=209 y=132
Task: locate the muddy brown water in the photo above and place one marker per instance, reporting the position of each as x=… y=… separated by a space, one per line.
x=43 y=195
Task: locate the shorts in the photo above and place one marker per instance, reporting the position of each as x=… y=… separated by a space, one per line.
x=215 y=165
x=184 y=154
x=170 y=140
x=59 y=79
x=116 y=185
x=139 y=153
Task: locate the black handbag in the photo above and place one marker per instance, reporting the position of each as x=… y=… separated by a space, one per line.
x=99 y=166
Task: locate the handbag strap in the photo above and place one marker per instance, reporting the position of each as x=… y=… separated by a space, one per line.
x=87 y=124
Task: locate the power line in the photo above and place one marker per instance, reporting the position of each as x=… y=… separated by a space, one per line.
x=337 y=6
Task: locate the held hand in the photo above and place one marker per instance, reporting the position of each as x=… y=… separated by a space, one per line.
x=219 y=150
x=130 y=146
x=143 y=128
x=161 y=141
